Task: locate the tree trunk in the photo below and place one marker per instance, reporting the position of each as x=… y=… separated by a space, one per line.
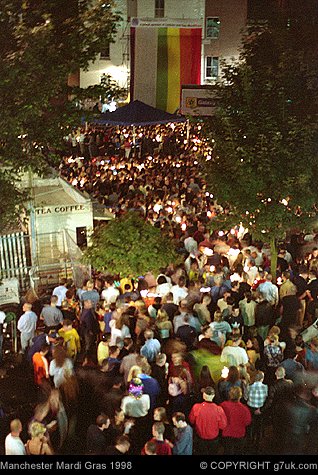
x=273 y=258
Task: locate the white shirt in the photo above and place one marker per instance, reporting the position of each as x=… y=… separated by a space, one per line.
x=60 y=292
x=163 y=289
x=14 y=446
x=27 y=322
x=234 y=356
x=221 y=304
x=110 y=295
x=179 y=293
x=135 y=407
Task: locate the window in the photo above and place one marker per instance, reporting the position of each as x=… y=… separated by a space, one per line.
x=159 y=8
x=211 y=67
x=105 y=54
x=213 y=28
x=81 y=237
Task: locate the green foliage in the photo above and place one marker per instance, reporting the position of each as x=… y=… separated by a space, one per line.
x=130 y=246
x=42 y=42
x=264 y=165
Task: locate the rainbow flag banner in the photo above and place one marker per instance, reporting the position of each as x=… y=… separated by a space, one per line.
x=162 y=60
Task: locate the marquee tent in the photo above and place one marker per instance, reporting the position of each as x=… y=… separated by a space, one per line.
x=137 y=113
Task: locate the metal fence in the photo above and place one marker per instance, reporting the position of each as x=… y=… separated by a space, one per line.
x=15 y=259
x=58 y=256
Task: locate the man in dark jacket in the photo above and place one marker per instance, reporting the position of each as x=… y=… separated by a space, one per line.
x=89 y=327
x=299 y=421
x=280 y=392
x=264 y=316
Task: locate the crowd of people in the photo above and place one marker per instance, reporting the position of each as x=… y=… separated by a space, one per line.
x=201 y=359
x=161 y=179
x=207 y=357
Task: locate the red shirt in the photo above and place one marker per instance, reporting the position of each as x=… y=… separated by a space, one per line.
x=162 y=447
x=238 y=418
x=208 y=419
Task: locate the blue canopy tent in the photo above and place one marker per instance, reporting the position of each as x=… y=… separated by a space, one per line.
x=137 y=113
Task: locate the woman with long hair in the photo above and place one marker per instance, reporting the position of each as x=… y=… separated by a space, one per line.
x=164 y=325
x=60 y=367
x=232 y=380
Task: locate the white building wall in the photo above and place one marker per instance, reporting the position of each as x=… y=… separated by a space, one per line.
x=173 y=9
x=116 y=66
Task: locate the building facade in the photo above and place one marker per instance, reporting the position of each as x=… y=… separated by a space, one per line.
x=221 y=21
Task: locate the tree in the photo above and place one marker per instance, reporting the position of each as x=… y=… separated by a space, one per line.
x=264 y=162
x=130 y=246
x=42 y=42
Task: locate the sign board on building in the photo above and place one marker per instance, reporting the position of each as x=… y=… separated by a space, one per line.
x=9 y=291
x=198 y=100
x=61 y=209
x=166 y=23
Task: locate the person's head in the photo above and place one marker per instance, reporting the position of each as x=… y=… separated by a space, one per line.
x=27 y=307
x=273 y=339
x=181 y=281
x=54 y=300
x=67 y=324
x=122 y=444
x=162 y=316
x=217 y=316
x=286 y=275
x=37 y=429
x=102 y=421
x=280 y=373
x=119 y=416
x=177 y=359
x=136 y=388
x=90 y=285
x=160 y=414
x=235 y=393
x=158 y=429
x=151 y=448
x=206 y=300
x=59 y=355
x=179 y=420
x=259 y=377
x=269 y=277
x=226 y=295
x=207 y=331
x=208 y=394
x=109 y=281
x=233 y=375
x=168 y=298
x=114 y=351
x=274 y=330
x=161 y=359
x=205 y=377
x=148 y=334
x=162 y=280
x=16 y=427
x=183 y=305
x=45 y=348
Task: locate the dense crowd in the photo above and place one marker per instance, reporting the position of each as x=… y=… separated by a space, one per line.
x=200 y=359
x=161 y=179
x=208 y=357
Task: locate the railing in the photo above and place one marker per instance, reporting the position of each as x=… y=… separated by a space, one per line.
x=58 y=256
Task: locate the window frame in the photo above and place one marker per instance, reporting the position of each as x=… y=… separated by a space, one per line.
x=213 y=28
x=212 y=67
x=159 y=8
